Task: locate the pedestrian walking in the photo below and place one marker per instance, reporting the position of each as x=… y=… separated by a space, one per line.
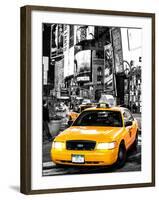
x=134 y=107
x=46 y=120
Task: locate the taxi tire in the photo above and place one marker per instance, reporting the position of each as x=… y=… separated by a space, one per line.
x=121 y=156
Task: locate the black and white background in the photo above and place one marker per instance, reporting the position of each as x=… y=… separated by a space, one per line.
x=82 y=63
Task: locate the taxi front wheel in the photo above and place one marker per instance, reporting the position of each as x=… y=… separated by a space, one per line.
x=121 y=156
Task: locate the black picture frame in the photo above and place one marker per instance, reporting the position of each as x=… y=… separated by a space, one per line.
x=26 y=107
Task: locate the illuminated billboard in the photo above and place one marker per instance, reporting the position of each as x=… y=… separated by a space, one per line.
x=69 y=62
x=108 y=67
x=118 y=51
x=83 y=59
x=83 y=62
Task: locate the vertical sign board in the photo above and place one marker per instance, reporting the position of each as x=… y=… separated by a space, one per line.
x=81 y=33
x=118 y=63
x=71 y=35
x=108 y=69
x=59 y=76
x=45 y=69
x=65 y=37
x=118 y=52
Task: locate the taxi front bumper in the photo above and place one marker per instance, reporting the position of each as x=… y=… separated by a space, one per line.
x=91 y=158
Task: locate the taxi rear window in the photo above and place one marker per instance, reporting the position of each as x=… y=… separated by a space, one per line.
x=99 y=118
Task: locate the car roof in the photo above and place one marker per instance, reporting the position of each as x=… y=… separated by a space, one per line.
x=114 y=108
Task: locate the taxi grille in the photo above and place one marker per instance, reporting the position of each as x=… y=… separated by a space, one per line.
x=80 y=145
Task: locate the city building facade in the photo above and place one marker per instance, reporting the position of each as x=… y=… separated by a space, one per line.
x=85 y=62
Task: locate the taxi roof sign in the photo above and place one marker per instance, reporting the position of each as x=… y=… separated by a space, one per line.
x=103 y=105
x=107 y=98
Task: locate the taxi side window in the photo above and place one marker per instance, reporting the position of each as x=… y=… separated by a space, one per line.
x=127 y=116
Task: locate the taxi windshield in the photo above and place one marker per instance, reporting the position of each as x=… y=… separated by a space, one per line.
x=99 y=118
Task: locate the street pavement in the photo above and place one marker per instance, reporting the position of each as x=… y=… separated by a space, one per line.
x=133 y=162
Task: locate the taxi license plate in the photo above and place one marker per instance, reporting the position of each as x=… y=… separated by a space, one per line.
x=77 y=158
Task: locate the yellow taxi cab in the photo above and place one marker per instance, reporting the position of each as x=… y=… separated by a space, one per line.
x=100 y=136
x=72 y=116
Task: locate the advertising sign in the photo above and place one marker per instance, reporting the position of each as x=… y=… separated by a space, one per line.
x=117 y=47
x=69 y=62
x=71 y=36
x=134 y=38
x=59 y=74
x=83 y=78
x=81 y=33
x=66 y=37
x=84 y=33
x=83 y=59
x=108 y=67
x=45 y=69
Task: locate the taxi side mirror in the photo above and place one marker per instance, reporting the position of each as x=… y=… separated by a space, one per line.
x=128 y=123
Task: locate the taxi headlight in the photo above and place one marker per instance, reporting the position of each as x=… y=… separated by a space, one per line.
x=58 y=145
x=106 y=145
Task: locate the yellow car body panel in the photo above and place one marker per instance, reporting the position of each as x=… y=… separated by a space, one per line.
x=73 y=115
x=99 y=134
x=96 y=157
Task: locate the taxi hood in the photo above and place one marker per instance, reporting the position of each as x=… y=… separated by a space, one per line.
x=96 y=133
